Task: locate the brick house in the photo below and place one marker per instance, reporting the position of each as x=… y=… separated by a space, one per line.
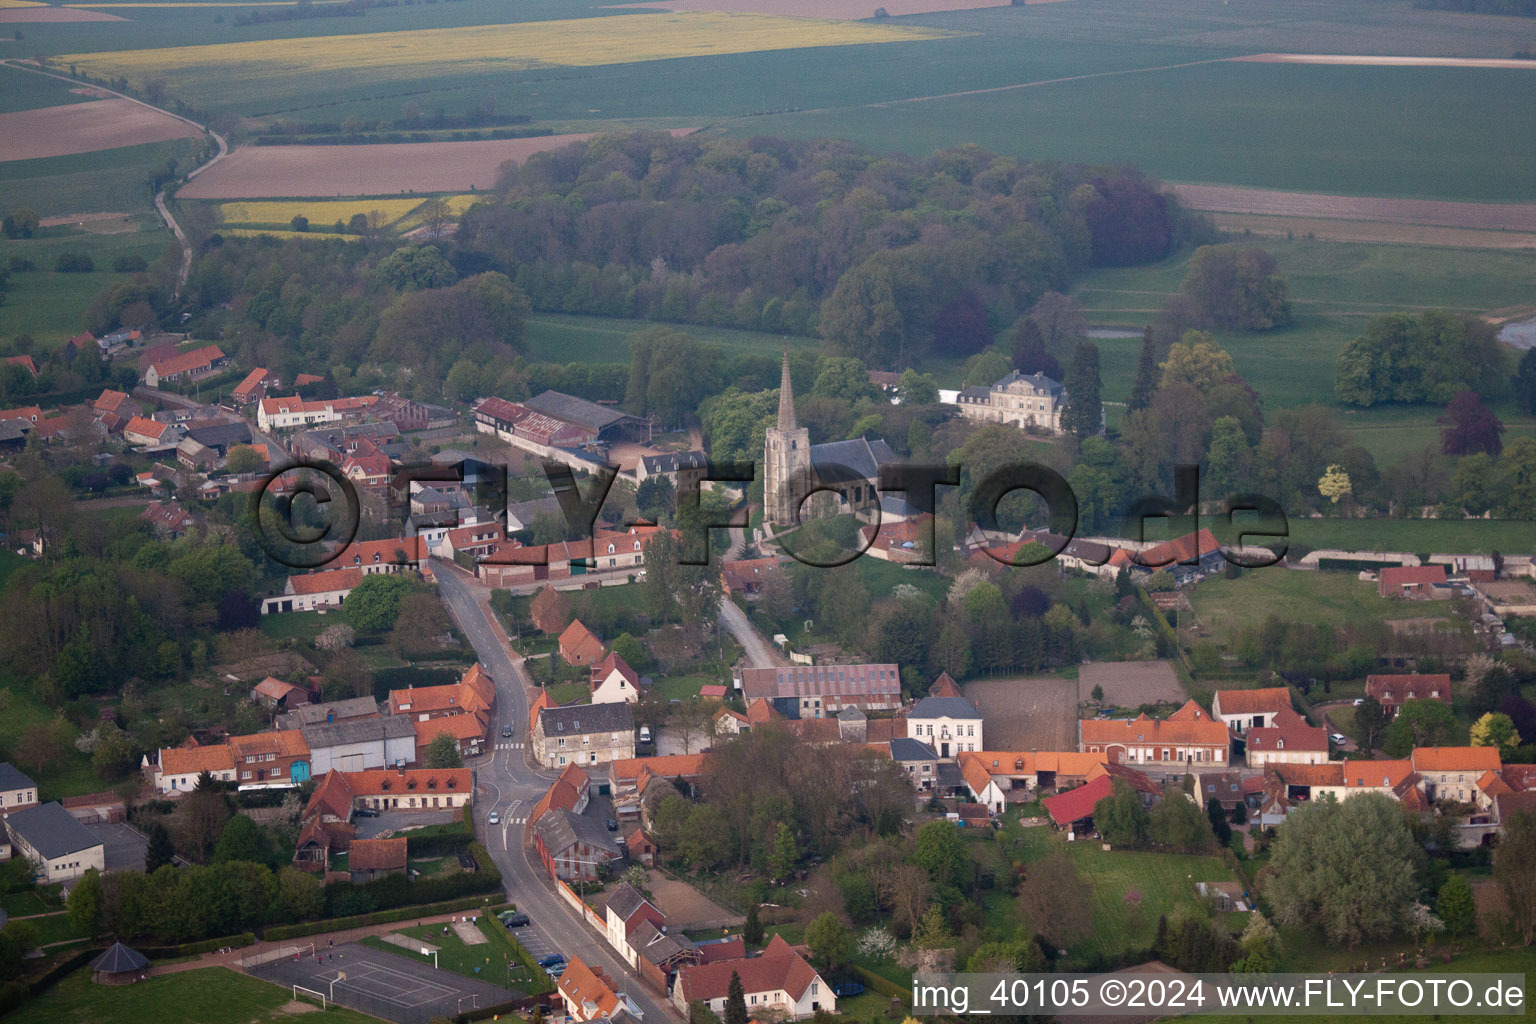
x=1187 y=737
x=579 y=645
x=368 y=859
x=1392 y=691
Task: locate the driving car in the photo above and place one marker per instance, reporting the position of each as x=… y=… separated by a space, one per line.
x=506 y=732
x=494 y=819
x=613 y=826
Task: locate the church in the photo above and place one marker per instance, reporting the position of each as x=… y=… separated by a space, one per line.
x=792 y=465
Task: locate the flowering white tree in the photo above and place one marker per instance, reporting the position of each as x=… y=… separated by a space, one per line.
x=877 y=944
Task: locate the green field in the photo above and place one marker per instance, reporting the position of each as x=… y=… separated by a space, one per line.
x=19 y=712
x=23 y=90
x=47 y=304
x=213 y=995
x=560 y=338
x=1417 y=536
x=115 y=180
x=1228 y=607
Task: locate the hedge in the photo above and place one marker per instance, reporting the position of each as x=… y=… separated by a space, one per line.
x=14 y=992
x=885 y=986
x=340 y=924
x=499 y=1009
x=198 y=948
x=499 y=936
x=350 y=899
x=448 y=839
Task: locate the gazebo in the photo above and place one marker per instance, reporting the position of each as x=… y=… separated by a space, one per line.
x=118 y=966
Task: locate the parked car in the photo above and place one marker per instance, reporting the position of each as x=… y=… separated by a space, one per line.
x=551 y=960
x=1339 y=738
x=613 y=826
x=1358 y=701
x=494 y=819
x=366 y=812
x=516 y=921
x=847 y=989
x=506 y=732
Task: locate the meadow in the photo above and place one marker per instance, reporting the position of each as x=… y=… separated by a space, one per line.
x=107 y=180
x=47 y=304
x=561 y=338
x=23 y=90
x=1229 y=607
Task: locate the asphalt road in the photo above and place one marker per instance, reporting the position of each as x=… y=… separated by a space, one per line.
x=759 y=651
x=509 y=785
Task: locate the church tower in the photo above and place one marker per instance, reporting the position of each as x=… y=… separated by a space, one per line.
x=786 y=457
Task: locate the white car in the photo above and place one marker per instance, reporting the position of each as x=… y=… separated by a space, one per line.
x=1359 y=701
x=494 y=819
x=1339 y=739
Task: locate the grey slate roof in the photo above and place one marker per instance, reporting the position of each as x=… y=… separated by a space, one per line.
x=361 y=730
x=851 y=713
x=671 y=462
x=1039 y=380
x=574 y=410
x=657 y=946
x=861 y=457
x=626 y=899
x=944 y=707
x=51 y=830
x=119 y=959
x=315 y=714
x=580 y=719
x=904 y=748
x=976 y=393
x=224 y=434
x=561 y=830
x=12 y=777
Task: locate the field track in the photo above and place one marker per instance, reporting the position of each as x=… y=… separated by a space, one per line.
x=836 y=10
x=1268 y=202
x=274 y=172
x=1372 y=61
x=1374 y=231
x=84 y=128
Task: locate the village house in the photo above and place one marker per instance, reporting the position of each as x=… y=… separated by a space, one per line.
x=1186 y=738
x=918 y=760
x=141 y=430
x=630 y=779
x=169 y=520
x=1027 y=401
x=997 y=777
x=270 y=760
x=1391 y=692
x=569 y=792
x=360 y=743
x=114 y=403
x=1451 y=773
x=579 y=645
x=1247 y=709
x=392 y=554
x=176 y=769
x=308 y=591
x=474 y=694
x=293 y=411
x=672 y=467
x=59 y=845
x=606 y=551
x=625 y=912
x=1074 y=808
x=368 y=468
x=254 y=387
x=17 y=790
x=1289 y=741
x=778 y=980
x=819 y=691
x=1226 y=788
x=368 y=859
x=745 y=575
x=573 y=847
x=613 y=681
x=186 y=366
x=903 y=543
x=588 y=994
x=949 y=725
x=585 y=734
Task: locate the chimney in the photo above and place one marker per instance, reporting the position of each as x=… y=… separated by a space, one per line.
x=401 y=770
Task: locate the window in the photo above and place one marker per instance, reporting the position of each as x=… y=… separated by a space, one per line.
x=245 y=775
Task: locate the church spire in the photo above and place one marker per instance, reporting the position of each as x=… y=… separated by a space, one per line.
x=786 y=398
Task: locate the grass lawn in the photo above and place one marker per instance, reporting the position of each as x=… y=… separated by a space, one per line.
x=1228 y=607
x=1510 y=961
x=1165 y=880
x=48 y=305
x=491 y=958
x=214 y=995
x=883 y=577
x=54 y=928
x=682 y=687
x=567 y=693
x=303 y=626
x=23 y=904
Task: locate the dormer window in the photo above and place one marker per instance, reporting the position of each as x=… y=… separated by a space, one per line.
x=431 y=783
x=386 y=784
x=453 y=783
x=411 y=784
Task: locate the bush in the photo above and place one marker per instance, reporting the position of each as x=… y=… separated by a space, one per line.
x=337 y=924
x=197 y=948
x=129 y=264
x=74 y=263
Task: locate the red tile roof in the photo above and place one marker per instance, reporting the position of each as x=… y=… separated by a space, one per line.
x=1187 y=548
x=283 y=743
x=1253 y=702
x=689 y=766
x=395 y=781
x=1392 y=690
x=23 y=360
x=579 y=644
x=110 y=401
x=1202 y=732
x=377 y=855
x=196 y=359
x=460 y=727
x=1394 y=578
x=1077 y=804
x=1376 y=774
x=146 y=426
x=195 y=760
x=779 y=968
x=944 y=686
x=1290 y=732
x=325 y=581
x=1456 y=759
x=253 y=380
x=587 y=991
x=333 y=795
x=611 y=664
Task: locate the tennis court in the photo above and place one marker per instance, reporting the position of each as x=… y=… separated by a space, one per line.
x=394 y=987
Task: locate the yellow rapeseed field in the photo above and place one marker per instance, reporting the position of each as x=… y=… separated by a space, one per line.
x=253 y=232
x=588 y=42
x=22 y=3
x=456 y=205
x=321 y=212
x=195 y=3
